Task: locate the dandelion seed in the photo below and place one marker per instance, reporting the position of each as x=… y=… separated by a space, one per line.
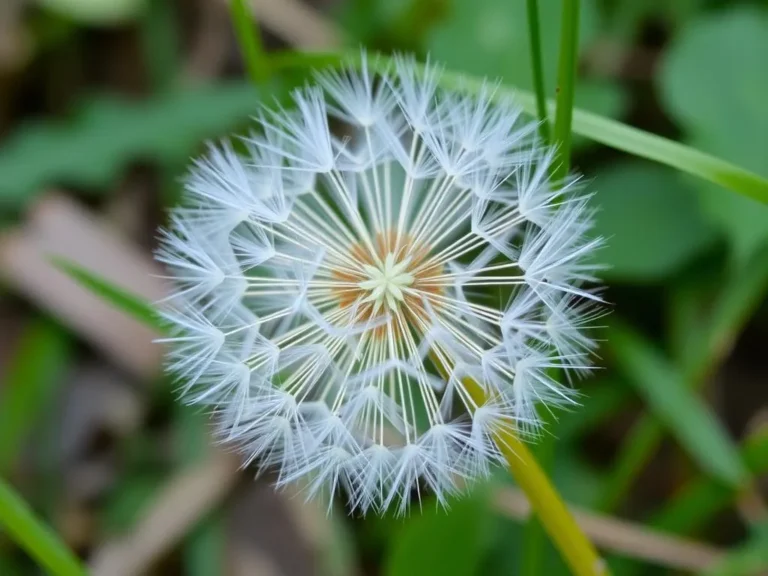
x=336 y=294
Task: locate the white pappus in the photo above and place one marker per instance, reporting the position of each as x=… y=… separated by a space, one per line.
x=342 y=295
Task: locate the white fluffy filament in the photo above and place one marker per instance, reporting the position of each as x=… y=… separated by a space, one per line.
x=327 y=284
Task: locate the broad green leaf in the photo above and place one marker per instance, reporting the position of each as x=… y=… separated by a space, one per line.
x=490 y=38
x=91 y=149
x=593 y=126
x=714 y=82
x=30 y=379
x=663 y=388
x=446 y=542
x=650 y=219
x=122 y=300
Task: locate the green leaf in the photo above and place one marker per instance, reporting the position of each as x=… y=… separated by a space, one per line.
x=449 y=543
x=598 y=128
x=721 y=105
x=494 y=43
x=131 y=304
x=691 y=422
x=92 y=148
x=651 y=220
x=36 y=538
x=31 y=377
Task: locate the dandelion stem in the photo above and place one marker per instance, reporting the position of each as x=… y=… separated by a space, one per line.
x=249 y=40
x=566 y=83
x=534 y=38
x=576 y=549
x=36 y=538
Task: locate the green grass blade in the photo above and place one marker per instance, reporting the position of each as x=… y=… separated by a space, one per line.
x=566 y=86
x=129 y=303
x=37 y=539
x=537 y=69
x=692 y=423
x=593 y=126
x=249 y=40
x=31 y=378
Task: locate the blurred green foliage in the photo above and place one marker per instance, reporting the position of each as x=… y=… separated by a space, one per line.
x=708 y=87
x=714 y=82
x=650 y=219
x=91 y=150
x=490 y=38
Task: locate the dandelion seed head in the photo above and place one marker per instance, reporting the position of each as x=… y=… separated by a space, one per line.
x=336 y=292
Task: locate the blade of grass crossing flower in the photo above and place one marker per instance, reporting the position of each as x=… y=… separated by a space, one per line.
x=249 y=40
x=663 y=388
x=593 y=126
x=131 y=304
x=566 y=85
x=31 y=377
x=537 y=70
x=21 y=524
x=742 y=293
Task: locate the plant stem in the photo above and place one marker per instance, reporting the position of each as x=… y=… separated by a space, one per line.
x=534 y=38
x=249 y=40
x=566 y=83
x=577 y=551
x=35 y=537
